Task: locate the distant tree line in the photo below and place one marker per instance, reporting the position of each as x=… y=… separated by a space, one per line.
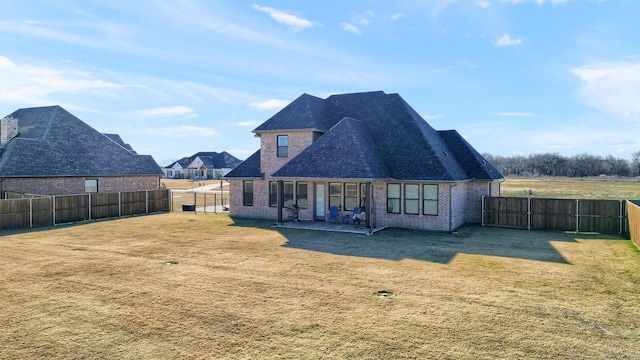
x=554 y=164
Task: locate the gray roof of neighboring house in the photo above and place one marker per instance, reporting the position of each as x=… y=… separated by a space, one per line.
x=376 y=136
x=211 y=160
x=184 y=162
x=53 y=142
x=223 y=160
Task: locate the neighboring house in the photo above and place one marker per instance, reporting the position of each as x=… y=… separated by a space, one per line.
x=177 y=169
x=48 y=151
x=369 y=150
x=202 y=165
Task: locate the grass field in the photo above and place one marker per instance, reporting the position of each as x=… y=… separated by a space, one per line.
x=195 y=286
x=573 y=188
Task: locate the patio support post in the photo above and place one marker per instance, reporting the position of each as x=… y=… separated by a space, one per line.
x=280 y=200
x=367 y=206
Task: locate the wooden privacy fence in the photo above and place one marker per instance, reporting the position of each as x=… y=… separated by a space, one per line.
x=52 y=210
x=633 y=210
x=602 y=216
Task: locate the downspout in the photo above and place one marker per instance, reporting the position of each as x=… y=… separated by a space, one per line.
x=450 y=205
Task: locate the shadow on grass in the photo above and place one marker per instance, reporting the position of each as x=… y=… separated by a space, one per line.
x=437 y=247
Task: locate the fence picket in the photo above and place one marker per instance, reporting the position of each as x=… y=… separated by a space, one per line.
x=603 y=216
x=33 y=212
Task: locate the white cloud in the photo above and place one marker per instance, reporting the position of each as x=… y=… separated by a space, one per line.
x=515 y=114
x=286 y=18
x=171 y=111
x=396 y=16
x=482 y=3
x=351 y=28
x=613 y=87
x=247 y=123
x=271 y=104
x=32 y=85
x=180 y=132
x=432 y=117
x=506 y=40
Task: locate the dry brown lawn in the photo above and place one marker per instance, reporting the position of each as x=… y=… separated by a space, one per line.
x=610 y=188
x=194 y=286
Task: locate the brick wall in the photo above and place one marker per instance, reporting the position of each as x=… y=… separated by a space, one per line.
x=75 y=185
x=269 y=161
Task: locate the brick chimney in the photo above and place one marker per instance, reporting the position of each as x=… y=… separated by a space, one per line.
x=8 y=129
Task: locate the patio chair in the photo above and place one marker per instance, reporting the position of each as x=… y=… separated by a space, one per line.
x=356 y=216
x=333 y=214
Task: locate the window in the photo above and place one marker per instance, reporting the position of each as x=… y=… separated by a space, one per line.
x=301 y=195
x=412 y=199
x=273 y=193
x=350 y=196
x=430 y=199
x=247 y=193
x=91 y=186
x=287 y=196
x=335 y=194
x=283 y=145
x=363 y=195
x=393 y=198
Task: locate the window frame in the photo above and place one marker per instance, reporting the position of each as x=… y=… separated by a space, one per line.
x=282 y=150
x=415 y=201
x=273 y=193
x=396 y=200
x=301 y=195
x=353 y=198
x=247 y=196
x=335 y=199
x=287 y=196
x=430 y=200
x=88 y=187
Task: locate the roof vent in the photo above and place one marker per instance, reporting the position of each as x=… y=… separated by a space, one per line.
x=8 y=129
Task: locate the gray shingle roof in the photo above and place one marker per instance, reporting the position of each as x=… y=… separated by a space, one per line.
x=53 y=142
x=250 y=168
x=375 y=135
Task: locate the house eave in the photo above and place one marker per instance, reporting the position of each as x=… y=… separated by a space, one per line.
x=259 y=132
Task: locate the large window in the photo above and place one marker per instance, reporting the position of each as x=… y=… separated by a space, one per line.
x=350 y=196
x=412 y=199
x=287 y=196
x=273 y=193
x=301 y=194
x=393 y=198
x=283 y=145
x=335 y=194
x=247 y=193
x=430 y=199
x=91 y=186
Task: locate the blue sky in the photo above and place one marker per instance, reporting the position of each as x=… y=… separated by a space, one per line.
x=177 y=77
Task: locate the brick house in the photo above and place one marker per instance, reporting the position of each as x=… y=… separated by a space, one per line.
x=48 y=151
x=202 y=165
x=368 y=150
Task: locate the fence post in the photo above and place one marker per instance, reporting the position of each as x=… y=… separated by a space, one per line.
x=195 y=204
x=31 y=212
x=529 y=214
x=119 y=204
x=577 y=215
x=205 y=203
x=53 y=205
x=621 y=216
x=89 y=206
x=146 y=199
